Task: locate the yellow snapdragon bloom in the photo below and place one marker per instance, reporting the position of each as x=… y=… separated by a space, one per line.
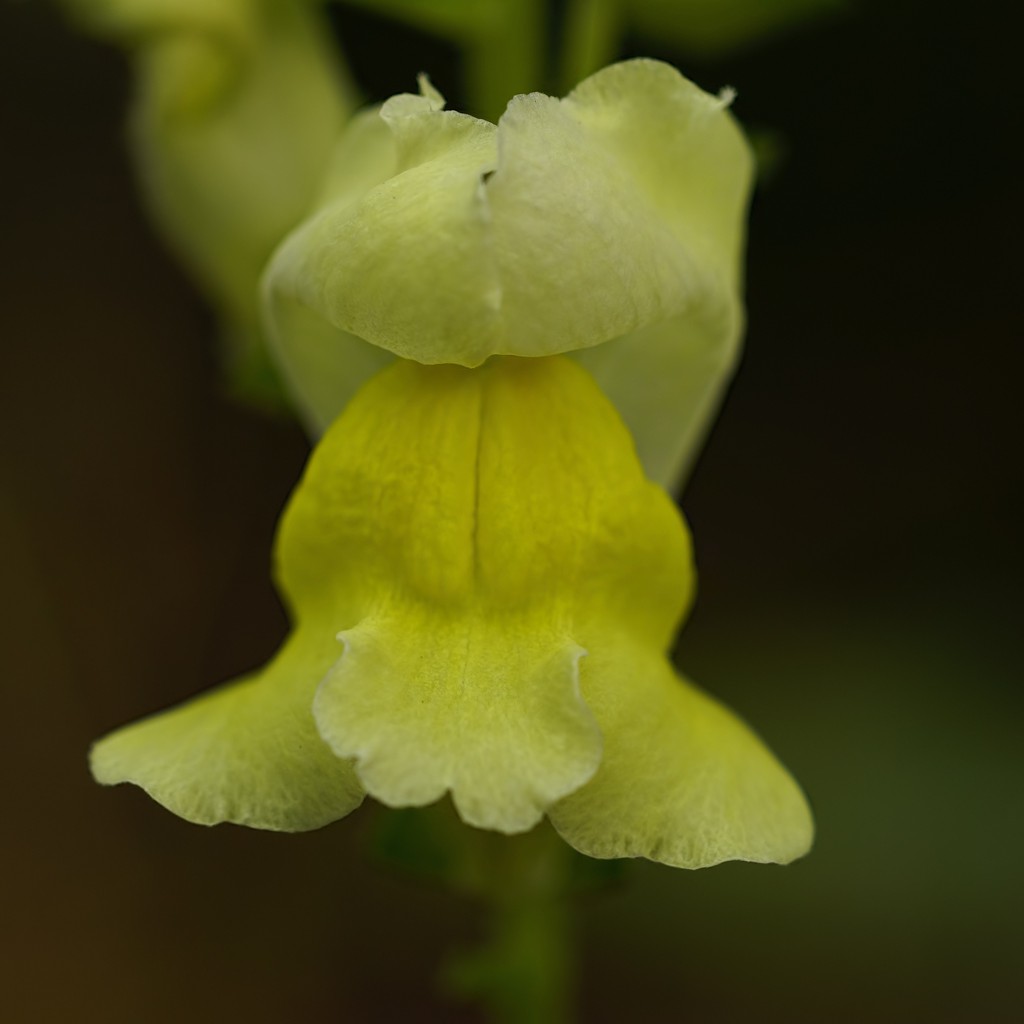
x=608 y=225
x=484 y=588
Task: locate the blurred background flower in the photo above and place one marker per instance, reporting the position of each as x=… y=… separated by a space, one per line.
x=856 y=512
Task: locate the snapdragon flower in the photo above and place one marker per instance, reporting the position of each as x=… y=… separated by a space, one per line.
x=512 y=335
x=484 y=588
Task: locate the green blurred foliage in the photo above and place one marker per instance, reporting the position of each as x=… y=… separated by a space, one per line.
x=714 y=27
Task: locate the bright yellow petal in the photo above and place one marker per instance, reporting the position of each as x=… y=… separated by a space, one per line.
x=683 y=781
x=247 y=753
x=475 y=518
x=484 y=585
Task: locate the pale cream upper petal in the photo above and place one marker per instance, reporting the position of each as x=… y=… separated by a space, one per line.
x=610 y=220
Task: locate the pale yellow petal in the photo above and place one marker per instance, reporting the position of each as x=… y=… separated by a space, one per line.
x=609 y=224
x=667 y=381
x=487 y=708
x=402 y=261
x=247 y=753
x=682 y=781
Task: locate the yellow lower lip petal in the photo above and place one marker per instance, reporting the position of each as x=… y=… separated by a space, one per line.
x=484 y=586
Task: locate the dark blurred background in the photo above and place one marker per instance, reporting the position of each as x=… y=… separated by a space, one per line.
x=856 y=516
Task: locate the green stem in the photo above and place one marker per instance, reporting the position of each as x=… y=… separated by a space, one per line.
x=590 y=39
x=524 y=970
x=506 y=57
